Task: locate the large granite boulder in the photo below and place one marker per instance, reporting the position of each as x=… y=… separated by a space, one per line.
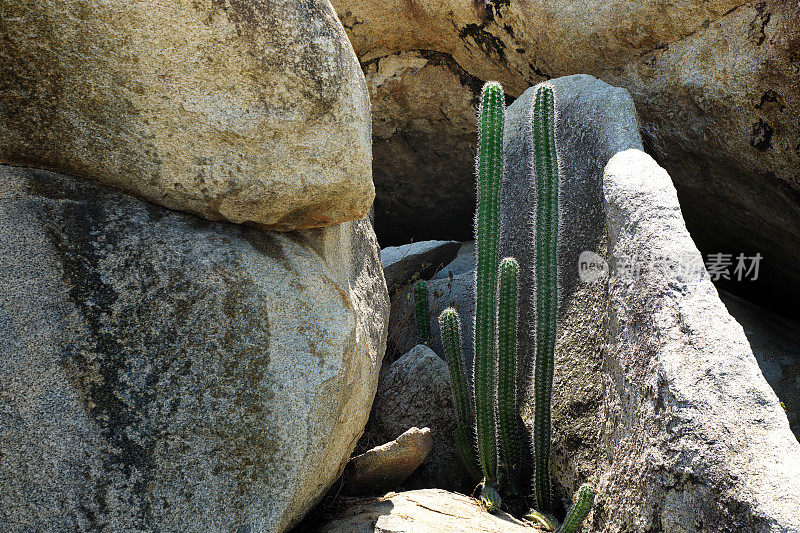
x=162 y=372
x=241 y=111
x=694 y=438
x=716 y=83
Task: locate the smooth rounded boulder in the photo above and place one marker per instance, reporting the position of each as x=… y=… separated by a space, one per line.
x=161 y=372
x=244 y=111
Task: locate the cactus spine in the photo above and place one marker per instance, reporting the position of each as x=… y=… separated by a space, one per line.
x=546 y=167
x=421 y=311
x=584 y=499
x=487 y=233
x=450 y=326
x=506 y=372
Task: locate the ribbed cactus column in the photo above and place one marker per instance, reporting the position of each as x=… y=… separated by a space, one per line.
x=506 y=373
x=546 y=167
x=487 y=230
x=584 y=499
x=450 y=326
x=421 y=311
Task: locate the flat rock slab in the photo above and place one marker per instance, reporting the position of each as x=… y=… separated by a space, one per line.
x=429 y=511
x=245 y=111
x=161 y=372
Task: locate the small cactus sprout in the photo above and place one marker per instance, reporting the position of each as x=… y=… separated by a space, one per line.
x=490 y=497
x=421 y=311
x=546 y=272
x=581 y=506
x=487 y=234
x=450 y=327
x=542 y=521
x=507 y=428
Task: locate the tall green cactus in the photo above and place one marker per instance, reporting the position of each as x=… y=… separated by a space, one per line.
x=546 y=272
x=450 y=326
x=506 y=373
x=487 y=236
x=584 y=499
x=421 y=311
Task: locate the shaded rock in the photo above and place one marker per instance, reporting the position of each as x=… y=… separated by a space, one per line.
x=162 y=372
x=385 y=467
x=694 y=436
x=716 y=84
x=416 y=391
x=418 y=260
x=774 y=341
x=428 y=510
x=240 y=111
x=462 y=264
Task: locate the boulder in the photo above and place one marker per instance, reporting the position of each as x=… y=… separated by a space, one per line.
x=428 y=510
x=463 y=263
x=716 y=84
x=241 y=111
x=416 y=391
x=417 y=260
x=695 y=439
x=163 y=372
x=387 y=466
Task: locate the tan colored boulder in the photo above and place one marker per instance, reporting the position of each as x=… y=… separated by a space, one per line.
x=245 y=111
x=716 y=83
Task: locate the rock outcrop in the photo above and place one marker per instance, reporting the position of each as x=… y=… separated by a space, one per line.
x=240 y=111
x=159 y=371
x=428 y=510
x=716 y=84
x=417 y=260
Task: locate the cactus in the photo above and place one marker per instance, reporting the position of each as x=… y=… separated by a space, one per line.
x=450 y=326
x=583 y=501
x=546 y=272
x=421 y=311
x=507 y=428
x=490 y=497
x=487 y=232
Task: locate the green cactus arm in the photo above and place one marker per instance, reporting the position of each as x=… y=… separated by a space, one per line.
x=507 y=428
x=450 y=327
x=584 y=499
x=487 y=228
x=421 y=311
x=546 y=167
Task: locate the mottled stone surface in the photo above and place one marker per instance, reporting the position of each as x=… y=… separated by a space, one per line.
x=160 y=372
x=428 y=510
x=386 y=467
x=416 y=391
x=717 y=85
x=694 y=437
x=417 y=260
x=243 y=110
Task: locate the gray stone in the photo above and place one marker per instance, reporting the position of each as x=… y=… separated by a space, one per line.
x=462 y=264
x=245 y=111
x=416 y=392
x=162 y=372
x=386 y=467
x=776 y=344
x=694 y=438
x=429 y=511
x=417 y=260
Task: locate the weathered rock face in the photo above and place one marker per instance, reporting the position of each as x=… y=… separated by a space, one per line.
x=716 y=84
x=245 y=111
x=402 y=264
x=416 y=391
x=426 y=510
x=163 y=372
x=694 y=437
